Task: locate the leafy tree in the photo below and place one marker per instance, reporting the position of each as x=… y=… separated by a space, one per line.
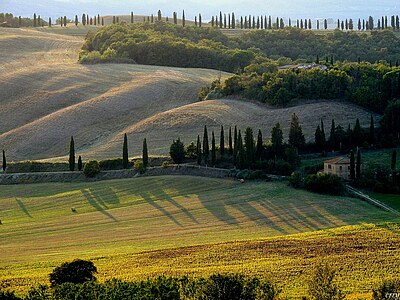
x=91 y=168
x=77 y=271
x=177 y=151
x=322 y=286
x=260 y=146
x=145 y=155
x=198 y=150
x=277 y=139
x=296 y=136
x=352 y=166
x=222 y=141
x=72 y=155
x=213 y=151
x=4 y=161
x=80 y=165
x=206 y=148
x=358 y=164
x=125 y=157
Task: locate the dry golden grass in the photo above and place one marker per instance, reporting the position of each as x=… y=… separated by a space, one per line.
x=46 y=97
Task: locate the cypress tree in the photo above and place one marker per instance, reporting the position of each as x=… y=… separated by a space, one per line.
x=206 y=148
x=241 y=159
x=91 y=21
x=87 y=19
x=198 y=151
x=323 y=135
x=195 y=21
x=235 y=141
x=318 y=138
x=277 y=23
x=152 y=18
x=145 y=156
x=358 y=164
x=125 y=158
x=233 y=21
x=338 y=24
x=212 y=21
x=258 y=22
x=98 y=19
x=269 y=22
x=34 y=20
x=301 y=24
x=19 y=21
x=49 y=22
x=249 y=142
x=200 y=20
x=230 y=141
x=372 y=132
x=220 y=19
x=296 y=136
x=332 y=137
x=359 y=24
x=131 y=17
x=183 y=19
x=225 y=21
x=80 y=163
x=260 y=147
x=245 y=22
x=277 y=139
x=94 y=21
x=4 y=161
x=305 y=24
x=290 y=22
x=317 y=24
x=309 y=24
x=229 y=21
x=394 y=161
x=159 y=16
x=397 y=22
x=84 y=20
x=222 y=142
x=213 y=151
x=76 y=20
x=352 y=166
x=65 y=21
x=72 y=154
x=241 y=22
x=281 y=24
x=357 y=134
x=102 y=21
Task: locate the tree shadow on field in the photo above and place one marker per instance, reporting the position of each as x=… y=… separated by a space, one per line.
x=217 y=207
x=97 y=202
x=23 y=207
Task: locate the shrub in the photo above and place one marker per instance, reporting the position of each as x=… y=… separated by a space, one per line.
x=165 y=164
x=248 y=174
x=91 y=168
x=42 y=292
x=191 y=151
x=111 y=164
x=5 y=295
x=385 y=288
x=77 y=271
x=324 y=184
x=296 y=180
x=177 y=151
x=139 y=166
x=321 y=285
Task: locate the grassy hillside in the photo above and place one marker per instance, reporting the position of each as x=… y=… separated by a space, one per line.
x=116 y=220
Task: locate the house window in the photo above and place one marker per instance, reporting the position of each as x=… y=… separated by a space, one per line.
x=341 y=168
x=329 y=167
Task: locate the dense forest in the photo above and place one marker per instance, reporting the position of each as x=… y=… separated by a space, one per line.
x=161 y=43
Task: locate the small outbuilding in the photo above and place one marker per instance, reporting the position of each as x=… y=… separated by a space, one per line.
x=339 y=166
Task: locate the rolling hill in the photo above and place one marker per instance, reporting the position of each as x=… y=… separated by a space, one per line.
x=47 y=96
x=174 y=225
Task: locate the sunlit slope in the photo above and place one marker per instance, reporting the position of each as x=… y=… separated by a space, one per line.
x=188 y=121
x=46 y=96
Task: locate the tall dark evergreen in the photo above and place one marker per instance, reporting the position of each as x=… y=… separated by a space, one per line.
x=83 y=19
x=220 y=20
x=131 y=17
x=159 y=16
x=200 y=20
x=296 y=136
x=65 y=21
x=222 y=142
x=183 y=19
x=240 y=159
x=357 y=134
x=206 y=148
x=372 y=132
x=125 y=157
x=34 y=20
x=260 y=146
x=249 y=143
x=145 y=154
x=76 y=20
x=323 y=134
x=358 y=164
x=198 y=151
x=213 y=151
x=72 y=155
x=332 y=137
x=50 y=22
x=277 y=139
x=80 y=164
x=318 y=138
x=393 y=162
x=235 y=144
x=4 y=161
x=233 y=21
x=230 y=141
x=352 y=166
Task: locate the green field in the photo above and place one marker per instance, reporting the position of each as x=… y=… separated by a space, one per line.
x=117 y=223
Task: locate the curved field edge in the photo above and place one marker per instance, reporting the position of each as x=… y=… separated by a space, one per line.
x=118 y=222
